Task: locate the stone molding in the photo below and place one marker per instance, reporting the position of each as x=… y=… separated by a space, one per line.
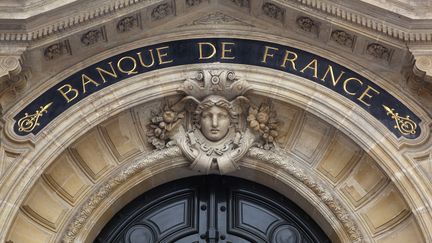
x=423 y=67
x=13 y=75
x=110 y=185
x=279 y=160
x=405 y=31
x=289 y=167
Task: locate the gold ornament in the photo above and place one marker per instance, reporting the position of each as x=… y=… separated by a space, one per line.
x=405 y=125
x=29 y=122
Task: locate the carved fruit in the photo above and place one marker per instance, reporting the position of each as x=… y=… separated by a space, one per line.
x=274 y=133
x=270 y=139
x=254 y=124
x=156 y=119
x=168 y=116
x=253 y=110
x=158 y=132
x=162 y=125
x=250 y=118
x=262 y=117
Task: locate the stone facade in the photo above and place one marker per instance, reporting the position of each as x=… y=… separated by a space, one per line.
x=357 y=180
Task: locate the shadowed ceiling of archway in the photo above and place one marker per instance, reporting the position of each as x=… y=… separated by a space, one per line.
x=329 y=156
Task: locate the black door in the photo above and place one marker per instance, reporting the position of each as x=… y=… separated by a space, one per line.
x=211 y=209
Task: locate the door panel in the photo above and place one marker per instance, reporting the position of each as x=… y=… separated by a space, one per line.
x=211 y=209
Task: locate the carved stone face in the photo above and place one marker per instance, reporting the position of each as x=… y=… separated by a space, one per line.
x=215 y=123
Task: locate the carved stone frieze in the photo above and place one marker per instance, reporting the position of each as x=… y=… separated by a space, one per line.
x=127 y=24
x=57 y=50
x=92 y=37
x=273 y=11
x=343 y=38
x=210 y=124
x=378 y=51
x=92 y=12
x=307 y=24
x=161 y=11
x=241 y=3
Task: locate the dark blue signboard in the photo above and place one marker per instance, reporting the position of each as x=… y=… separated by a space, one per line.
x=372 y=98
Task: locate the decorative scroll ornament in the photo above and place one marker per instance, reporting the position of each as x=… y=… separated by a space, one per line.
x=29 y=122
x=210 y=124
x=405 y=125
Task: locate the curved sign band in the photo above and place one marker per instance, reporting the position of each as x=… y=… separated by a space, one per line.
x=372 y=98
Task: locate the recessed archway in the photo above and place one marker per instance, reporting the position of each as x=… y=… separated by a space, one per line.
x=336 y=179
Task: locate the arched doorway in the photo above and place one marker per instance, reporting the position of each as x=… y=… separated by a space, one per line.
x=211 y=209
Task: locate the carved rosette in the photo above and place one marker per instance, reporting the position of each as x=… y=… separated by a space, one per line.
x=378 y=51
x=241 y=3
x=92 y=37
x=162 y=11
x=343 y=38
x=211 y=124
x=307 y=24
x=127 y=24
x=273 y=11
x=57 y=50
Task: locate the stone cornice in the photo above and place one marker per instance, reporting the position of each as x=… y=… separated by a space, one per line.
x=65 y=20
x=369 y=18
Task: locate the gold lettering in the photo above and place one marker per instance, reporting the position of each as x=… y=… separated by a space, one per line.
x=200 y=44
x=67 y=91
x=330 y=70
x=313 y=63
x=266 y=53
x=161 y=55
x=226 y=51
x=112 y=73
x=142 y=62
x=345 y=85
x=367 y=94
x=86 y=80
x=291 y=60
x=128 y=72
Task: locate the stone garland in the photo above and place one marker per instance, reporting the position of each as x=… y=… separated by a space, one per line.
x=279 y=160
x=110 y=185
x=272 y=157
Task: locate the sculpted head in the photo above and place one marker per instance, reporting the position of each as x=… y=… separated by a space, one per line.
x=214 y=117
